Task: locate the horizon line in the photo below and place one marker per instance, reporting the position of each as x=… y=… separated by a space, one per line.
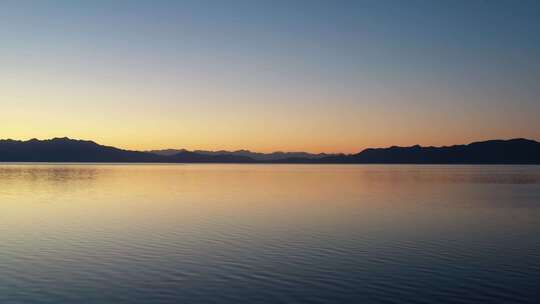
x=275 y=151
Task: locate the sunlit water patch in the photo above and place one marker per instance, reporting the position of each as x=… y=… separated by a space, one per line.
x=72 y=233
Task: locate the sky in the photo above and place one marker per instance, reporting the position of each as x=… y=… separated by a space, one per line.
x=318 y=76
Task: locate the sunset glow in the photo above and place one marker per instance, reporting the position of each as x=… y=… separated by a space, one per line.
x=266 y=76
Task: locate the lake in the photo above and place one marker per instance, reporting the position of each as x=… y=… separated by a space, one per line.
x=211 y=233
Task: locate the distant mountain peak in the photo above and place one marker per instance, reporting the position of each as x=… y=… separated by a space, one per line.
x=64 y=149
x=258 y=156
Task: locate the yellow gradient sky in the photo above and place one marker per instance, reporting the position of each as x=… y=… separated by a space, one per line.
x=318 y=76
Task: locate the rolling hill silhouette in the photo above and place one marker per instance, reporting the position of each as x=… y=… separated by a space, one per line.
x=278 y=155
x=70 y=150
x=513 y=151
x=67 y=150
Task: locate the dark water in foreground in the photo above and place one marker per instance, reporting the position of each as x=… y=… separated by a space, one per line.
x=269 y=234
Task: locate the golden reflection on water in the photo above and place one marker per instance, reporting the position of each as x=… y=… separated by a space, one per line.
x=169 y=230
x=124 y=195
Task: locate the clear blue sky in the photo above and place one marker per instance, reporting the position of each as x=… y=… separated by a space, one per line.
x=270 y=75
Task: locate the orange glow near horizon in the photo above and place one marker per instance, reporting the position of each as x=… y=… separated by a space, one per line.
x=163 y=76
x=133 y=121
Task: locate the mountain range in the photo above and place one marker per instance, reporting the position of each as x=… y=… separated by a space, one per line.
x=278 y=155
x=512 y=151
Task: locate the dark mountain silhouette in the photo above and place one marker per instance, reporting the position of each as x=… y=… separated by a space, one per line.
x=513 y=151
x=192 y=157
x=70 y=150
x=167 y=152
x=67 y=150
x=278 y=155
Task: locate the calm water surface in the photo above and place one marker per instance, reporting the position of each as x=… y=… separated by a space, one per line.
x=269 y=234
